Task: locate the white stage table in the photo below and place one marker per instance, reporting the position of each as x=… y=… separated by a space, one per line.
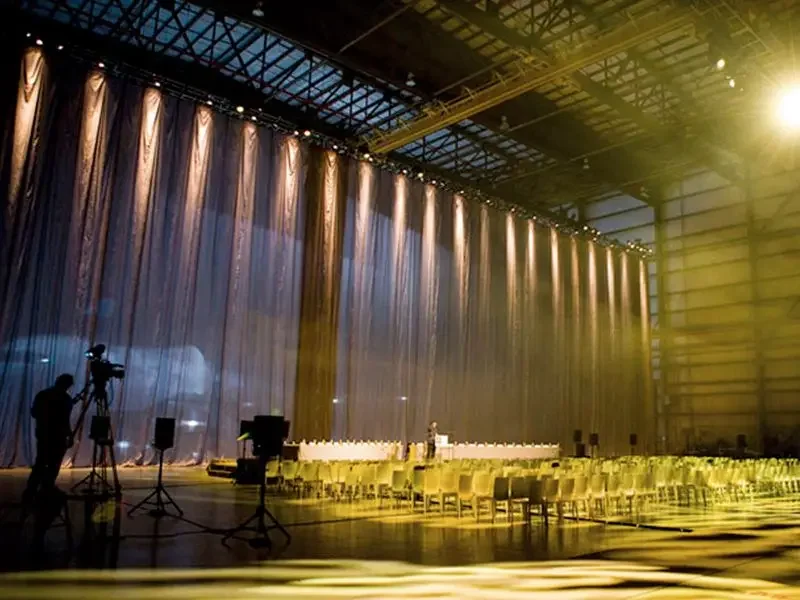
x=348 y=450
x=377 y=451
x=493 y=451
x=505 y=451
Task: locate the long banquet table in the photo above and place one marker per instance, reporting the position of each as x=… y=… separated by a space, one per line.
x=375 y=451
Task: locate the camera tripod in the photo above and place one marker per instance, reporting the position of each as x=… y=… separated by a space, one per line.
x=257 y=523
x=96 y=483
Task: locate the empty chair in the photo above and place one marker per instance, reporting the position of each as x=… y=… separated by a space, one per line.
x=501 y=496
x=448 y=488
x=431 y=487
x=466 y=493
x=400 y=487
x=519 y=496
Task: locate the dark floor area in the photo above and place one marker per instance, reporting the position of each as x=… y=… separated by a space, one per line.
x=736 y=543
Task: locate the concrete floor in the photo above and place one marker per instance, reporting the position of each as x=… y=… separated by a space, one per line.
x=358 y=550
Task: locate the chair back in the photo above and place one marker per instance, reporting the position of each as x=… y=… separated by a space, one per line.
x=501 y=488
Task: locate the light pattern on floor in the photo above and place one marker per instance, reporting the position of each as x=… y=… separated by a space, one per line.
x=363 y=579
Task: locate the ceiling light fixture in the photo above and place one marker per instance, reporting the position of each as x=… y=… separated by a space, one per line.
x=258 y=10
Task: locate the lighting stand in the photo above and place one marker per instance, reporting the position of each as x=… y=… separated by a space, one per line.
x=160 y=509
x=257 y=523
x=102 y=449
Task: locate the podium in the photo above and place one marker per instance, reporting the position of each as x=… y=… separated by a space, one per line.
x=444 y=447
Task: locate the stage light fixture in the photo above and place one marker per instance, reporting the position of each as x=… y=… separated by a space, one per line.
x=336 y=401
x=731 y=83
x=307 y=133
x=789 y=107
x=296 y=132
x=240 y=109
x=101 y=65
x=405 y=171
x=258 y=10
x=60 y=47
x=39 y=42
x=209 y=102
x=157 y=84
x=366 y=155
x=410 y=81
x=253 y=118
x=335 y=146
x=433 y=182
x=420 y=175
x=721 y=64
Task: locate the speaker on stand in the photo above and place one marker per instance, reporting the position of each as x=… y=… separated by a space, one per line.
x=594 y=443
x=577 y=439
x=164 y=440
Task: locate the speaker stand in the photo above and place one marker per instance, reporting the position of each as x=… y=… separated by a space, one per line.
x=160 y=509
x=257 y=523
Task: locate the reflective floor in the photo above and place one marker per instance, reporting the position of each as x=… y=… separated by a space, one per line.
x=741 y=549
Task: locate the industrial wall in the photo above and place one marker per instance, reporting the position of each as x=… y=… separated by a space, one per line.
x=725 y=304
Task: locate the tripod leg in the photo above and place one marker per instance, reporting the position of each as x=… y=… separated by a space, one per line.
x=171 y=501
x=143 y=502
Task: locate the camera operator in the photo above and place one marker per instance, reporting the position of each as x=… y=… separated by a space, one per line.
x=51 y=409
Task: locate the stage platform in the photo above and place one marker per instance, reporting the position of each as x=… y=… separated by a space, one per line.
x=386 y=551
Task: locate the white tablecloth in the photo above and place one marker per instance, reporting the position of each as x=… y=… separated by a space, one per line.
x=394 y=450
x=493 y=451
x=505 y=452
x=348 y=450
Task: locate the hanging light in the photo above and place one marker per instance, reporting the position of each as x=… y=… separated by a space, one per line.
x=258 y=10
x=410 y=81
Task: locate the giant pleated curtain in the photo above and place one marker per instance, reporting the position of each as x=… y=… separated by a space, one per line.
x=236 y=271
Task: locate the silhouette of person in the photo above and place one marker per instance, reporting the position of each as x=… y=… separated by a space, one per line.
x=433 y=431
x=51 y=410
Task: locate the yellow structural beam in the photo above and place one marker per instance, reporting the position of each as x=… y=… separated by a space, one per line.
x=528 y=75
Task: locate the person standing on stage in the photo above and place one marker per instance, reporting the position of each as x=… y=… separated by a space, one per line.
x=433 y=432
x=51 y=410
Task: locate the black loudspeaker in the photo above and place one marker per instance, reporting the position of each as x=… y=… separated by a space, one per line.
x=100 y=429
x=165 y=433
x=580 y=450
x=634 y=439
x=577 y=436
x=594 y=439
x=248 y=471
x=741 y=441
x=268 y=435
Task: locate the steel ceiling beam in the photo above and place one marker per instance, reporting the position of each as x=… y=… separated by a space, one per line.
x=527 y=78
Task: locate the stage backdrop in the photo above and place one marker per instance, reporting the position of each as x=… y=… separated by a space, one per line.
x=235 y=272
